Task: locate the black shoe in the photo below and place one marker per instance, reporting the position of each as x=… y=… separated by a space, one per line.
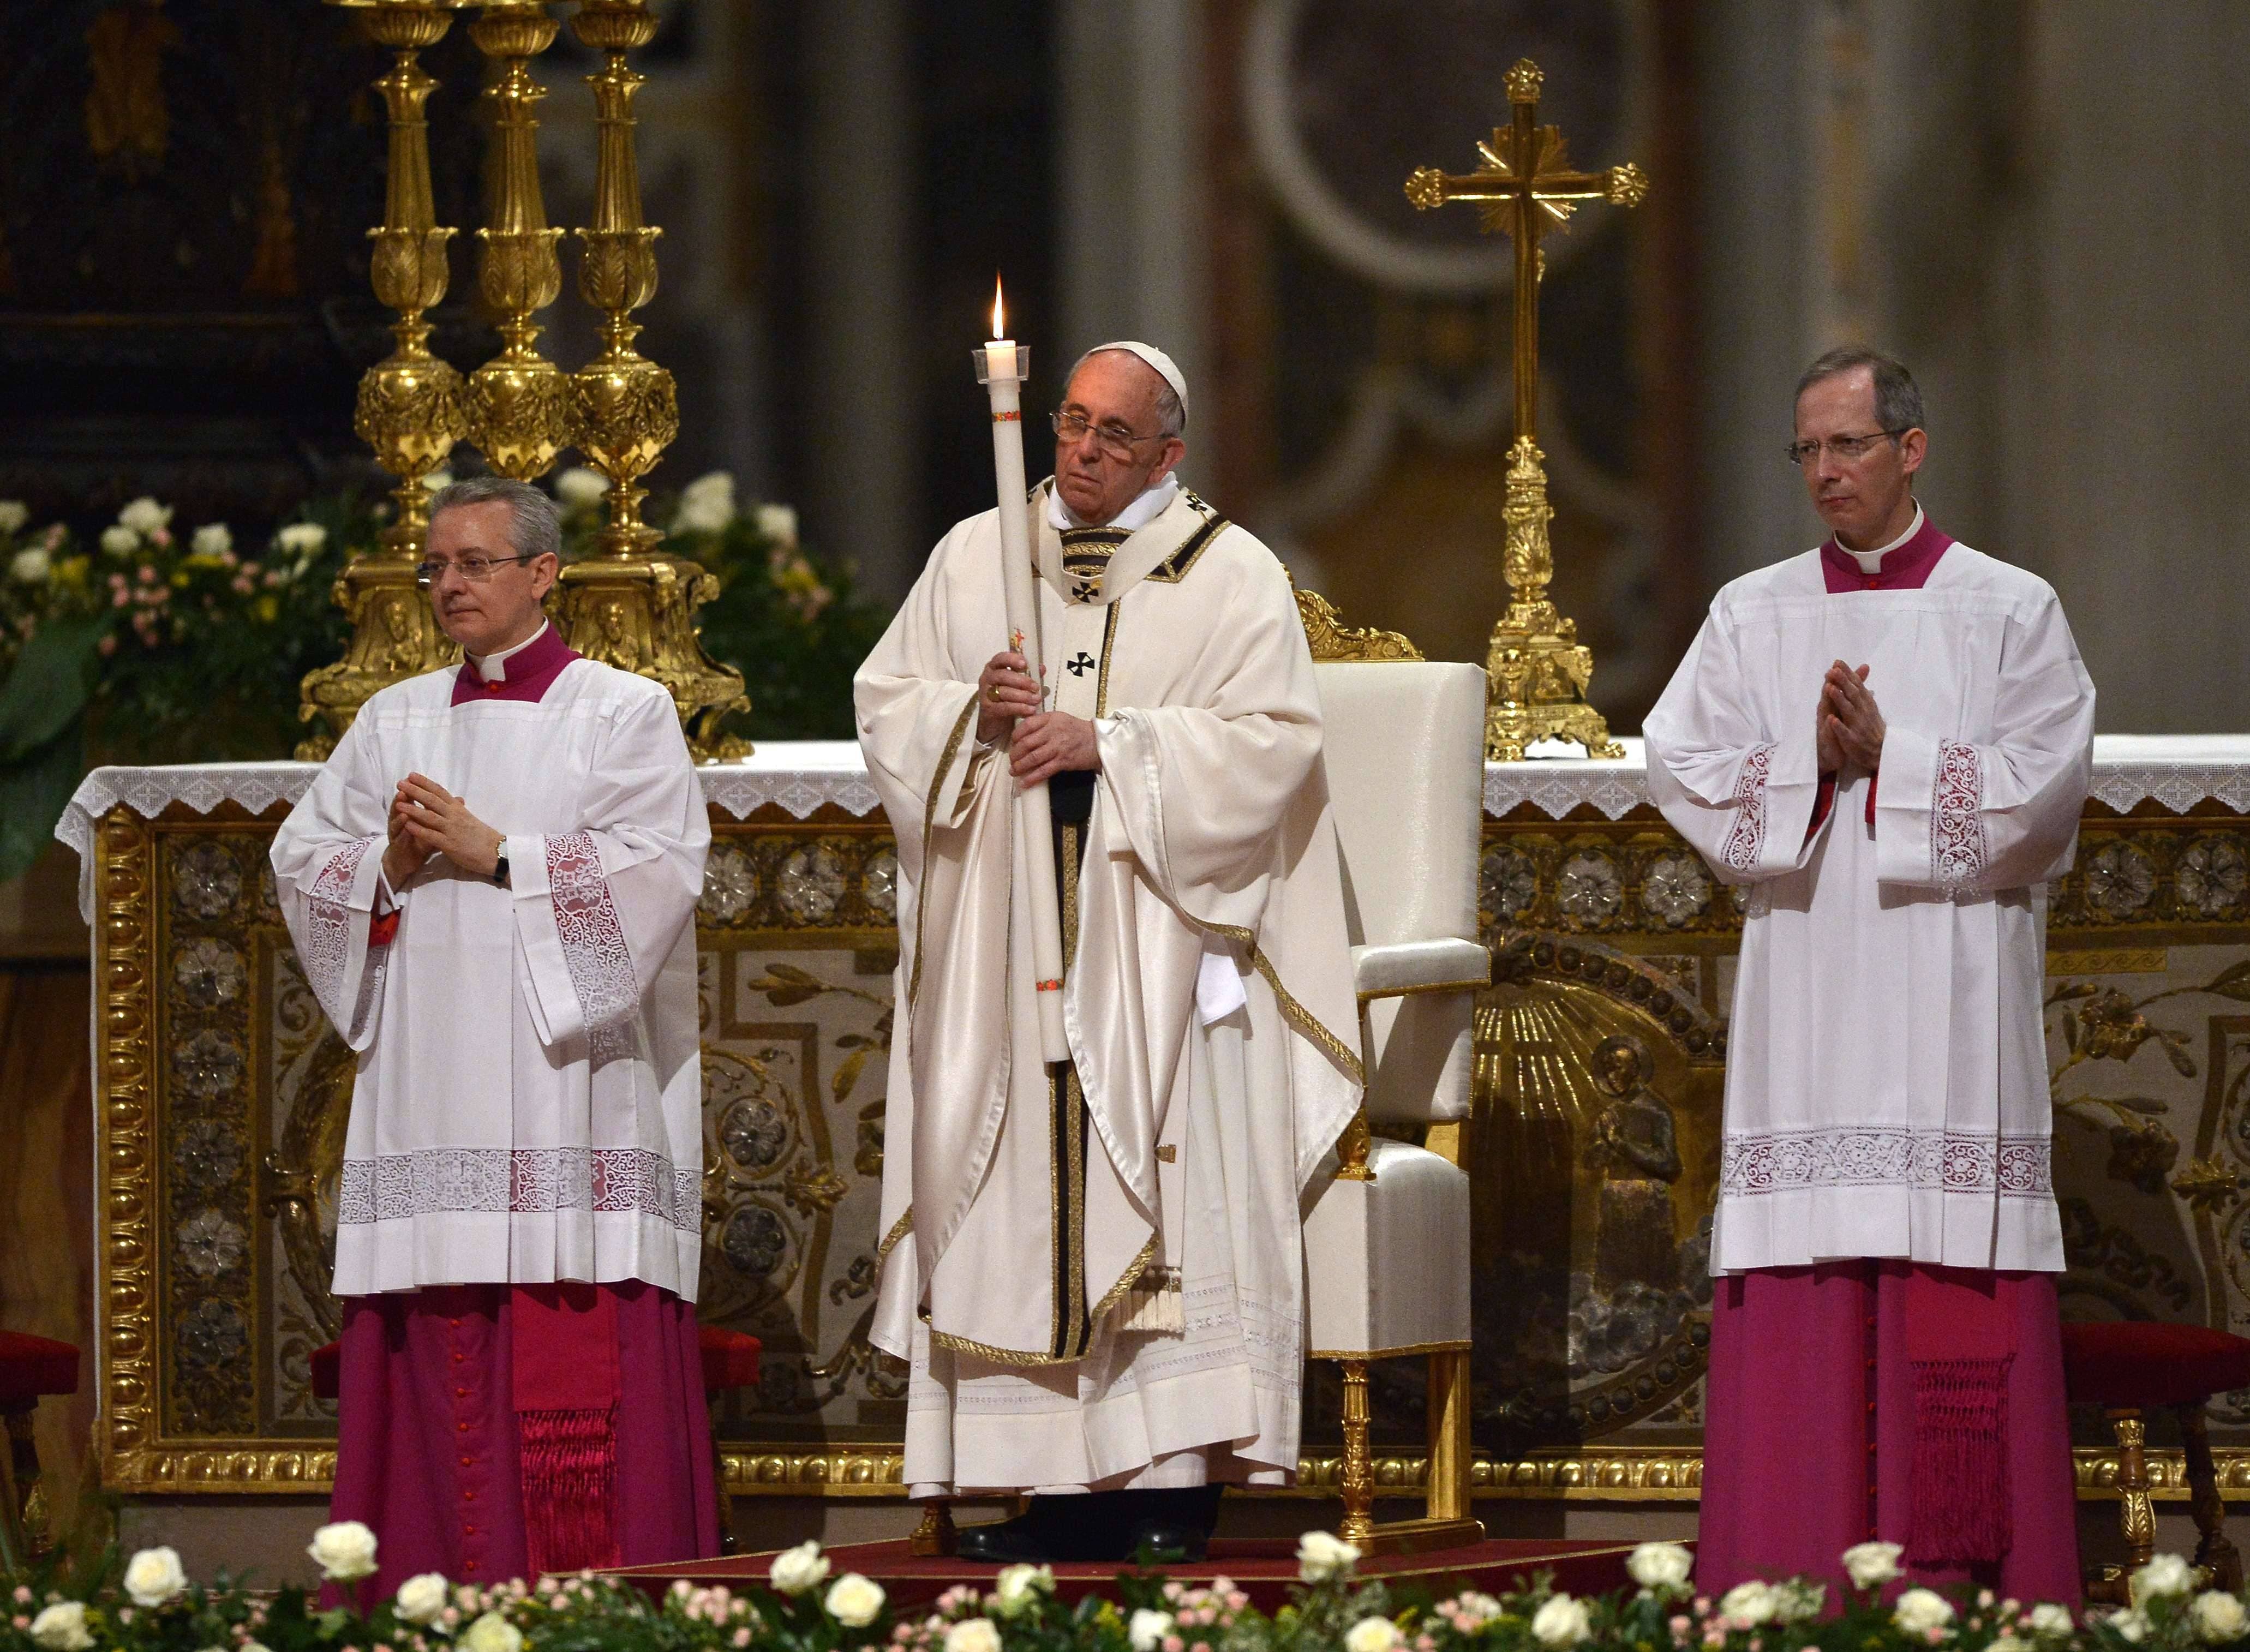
x=1160 y=1543
x=1008 y=1542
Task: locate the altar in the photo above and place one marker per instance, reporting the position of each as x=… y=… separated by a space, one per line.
x=221 y=1098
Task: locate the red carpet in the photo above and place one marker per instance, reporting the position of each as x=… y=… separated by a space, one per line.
x=1263 y=1569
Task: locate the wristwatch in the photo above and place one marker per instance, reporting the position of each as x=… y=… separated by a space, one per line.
x=499 y=871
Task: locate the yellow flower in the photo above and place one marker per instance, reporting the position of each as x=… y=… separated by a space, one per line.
x=268 y=609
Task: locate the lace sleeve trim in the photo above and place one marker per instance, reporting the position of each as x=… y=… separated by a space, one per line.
x=1746 y=839
x=594 y=949
x=1957 y=849
x=329 y=937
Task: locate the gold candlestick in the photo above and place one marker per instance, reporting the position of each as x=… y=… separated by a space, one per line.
x=633 y=605
x=519 y=402
x=1538 y=667
x=410 y=407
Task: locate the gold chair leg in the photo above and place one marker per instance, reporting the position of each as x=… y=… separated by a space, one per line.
x=1358 y=1525
x=1447 y=1478
x=935 y=1535
x=2215 y=1552
x=2137 y=1516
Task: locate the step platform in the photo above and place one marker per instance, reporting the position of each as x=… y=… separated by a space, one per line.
x=1264 y=1569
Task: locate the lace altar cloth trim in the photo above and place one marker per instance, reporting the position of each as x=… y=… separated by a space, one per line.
x=435 y=1181
x=799 y=776
x=1927 y=1161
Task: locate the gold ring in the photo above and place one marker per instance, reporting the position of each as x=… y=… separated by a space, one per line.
x=993 y=693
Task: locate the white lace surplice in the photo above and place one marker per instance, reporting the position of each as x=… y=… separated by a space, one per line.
x=1886 y=1088
x=528 y=1103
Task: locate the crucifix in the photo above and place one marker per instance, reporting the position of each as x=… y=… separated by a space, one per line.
x=1526 y=186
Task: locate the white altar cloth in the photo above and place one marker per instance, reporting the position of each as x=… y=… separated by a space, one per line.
x=799 y=776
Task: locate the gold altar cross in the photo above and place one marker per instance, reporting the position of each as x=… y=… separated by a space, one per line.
x=1537 y=667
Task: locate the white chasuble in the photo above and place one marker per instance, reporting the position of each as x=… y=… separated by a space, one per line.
x=1886 y=1088
x=1030 y=1214
x=529 y=1107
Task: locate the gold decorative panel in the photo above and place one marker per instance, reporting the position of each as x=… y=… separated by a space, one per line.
x=1599 y=1071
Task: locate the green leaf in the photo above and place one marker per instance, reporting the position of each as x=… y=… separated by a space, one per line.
x=33 y=793
x=48 y=687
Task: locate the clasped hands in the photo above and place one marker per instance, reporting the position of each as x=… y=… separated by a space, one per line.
x=1847 y=727
x=426 y=821
x=1046 y=742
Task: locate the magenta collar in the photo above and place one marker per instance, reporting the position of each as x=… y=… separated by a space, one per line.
x=525 y=675
x=1905 y=567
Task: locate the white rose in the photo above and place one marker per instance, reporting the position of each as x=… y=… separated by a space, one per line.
x=1751 y=1602
x=1373 y=1635
x=1148 y=1629
x=1018 y=1585
x=2047 y=1618
x=854 y=1601
x=2130 y=1626
x=61 y=1628
x=345 y=1552
x=153 y=1576
x=212 y=539
x=707 y=505
x=304 y=538
x=581 y=486
x=797 y=1569
x=973 y=1635
x=490 y=1632
x=1322 y=1555
x=2219 y=1617
x=30 y=567
x=438 y=479
x=778 y=522
x=2166 y=1574
x=1479 y=1609
x=14 y=513
x=119 y=540
x=1562 y=1622
x=1919 y=1611
x=1796 y=1601
x=1872 y=1565
x=144 y=516
x=423 y=1597
x=1660 y=1566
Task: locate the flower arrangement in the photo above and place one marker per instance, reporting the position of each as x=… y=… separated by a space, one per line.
x=149 y=1605
x=154 y=643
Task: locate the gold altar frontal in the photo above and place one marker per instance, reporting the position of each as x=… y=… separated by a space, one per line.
x=222 y=1095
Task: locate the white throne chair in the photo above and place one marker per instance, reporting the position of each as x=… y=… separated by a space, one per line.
x=1387 y=1240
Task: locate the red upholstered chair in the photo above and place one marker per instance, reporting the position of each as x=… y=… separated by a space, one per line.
x=730 y=1361
x=2128 y=1367
x=29 y=1366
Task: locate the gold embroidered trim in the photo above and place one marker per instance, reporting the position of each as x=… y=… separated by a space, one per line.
x=1108 y=652
x=929 y=834
x=1168 y=1154
x=1076 y=1332
x=1018 y=1357
x=1297 y=1014
x=899 y=1230
x=1175 y=567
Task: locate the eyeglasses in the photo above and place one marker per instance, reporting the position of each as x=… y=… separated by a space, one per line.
x=476 y=570
x=1116 y=441
x=1848 y=448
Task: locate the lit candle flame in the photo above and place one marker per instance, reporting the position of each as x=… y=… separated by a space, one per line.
x=998 y=315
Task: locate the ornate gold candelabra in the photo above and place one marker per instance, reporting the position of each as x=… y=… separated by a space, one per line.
x=409 y=403
x=633 y=605
x=1538 y=667
x=519 y=402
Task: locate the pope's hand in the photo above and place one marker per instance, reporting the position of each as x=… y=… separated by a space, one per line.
x=438 y=823
x=1004 y=693
x=1851 y=726
x=1050 y=742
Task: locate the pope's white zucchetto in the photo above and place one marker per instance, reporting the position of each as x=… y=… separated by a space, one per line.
x=1166 y=367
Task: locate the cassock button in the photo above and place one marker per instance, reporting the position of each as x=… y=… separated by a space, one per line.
x=468 y=1565
x=468 y=1531
x=468 y=1462
x=462 y=1393
x=461 y=1358
x=455 y=1323
x=460 y=1428
x=468 y=1497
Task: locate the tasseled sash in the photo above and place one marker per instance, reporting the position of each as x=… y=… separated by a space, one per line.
x=566 y=1389
x=1961 y=1344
